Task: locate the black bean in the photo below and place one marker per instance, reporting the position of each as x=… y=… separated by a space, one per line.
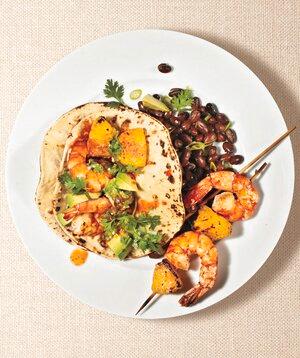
x=188 y=176
x=186 y=138
x=185 y=157
x=213 y=158
x=236 y=159
x=212 y=150
x=197 y=153
x=221 y=118
x=191 y=166
x=231 y=135
x=225 y=157
x=183 y=116
x=228 y=147
x=220 y=166
x=174 y=120
x=210 y=137
x=212 y=120
x=192 y=131
x=164 y=68
x=202 y=127
x=196 y=103
x=195 y=116
x=157 y=96
x=177 y=131
x=221 y=137
x=168 y=115
x=141 y=106
x=186 y=125
x=201 y=161
x=219 y=127
x=199 y=138
x=212 y=109
x=202 y=109
x=175 y=92
x=178 y=144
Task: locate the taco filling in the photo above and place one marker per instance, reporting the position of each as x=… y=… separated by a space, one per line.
x=113 y=193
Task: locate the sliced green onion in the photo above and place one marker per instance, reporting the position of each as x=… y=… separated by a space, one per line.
x=135 y=94
x=212 y=166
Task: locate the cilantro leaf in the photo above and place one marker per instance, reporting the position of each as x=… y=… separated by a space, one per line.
x=120 y=168
x=114 y=90
x=115 y=147
x=183 y=100
x=139 y=229
x=76 y=186
x=96 y=167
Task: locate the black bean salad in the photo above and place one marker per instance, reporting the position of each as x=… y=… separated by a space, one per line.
x=195 y=132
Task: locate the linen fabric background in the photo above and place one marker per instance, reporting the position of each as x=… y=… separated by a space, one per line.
x=38 y=319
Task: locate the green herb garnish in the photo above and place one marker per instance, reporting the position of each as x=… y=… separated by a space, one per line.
x=96 y=167
x=114 y=90
x=183 y=100
x=115 y=147
x=139 y=228
x=198 y=145
x=76 y=186
x=120 y=168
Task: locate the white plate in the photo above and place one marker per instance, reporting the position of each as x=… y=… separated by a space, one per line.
x=132 y=59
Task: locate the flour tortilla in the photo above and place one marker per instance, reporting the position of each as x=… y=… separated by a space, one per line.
x=153 y=182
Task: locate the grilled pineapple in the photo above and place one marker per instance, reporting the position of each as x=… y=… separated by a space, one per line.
x=165 y=279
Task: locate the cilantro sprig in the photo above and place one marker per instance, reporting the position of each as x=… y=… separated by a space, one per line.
x=76 y=186
x=95 y=166
x=183 y=100
x=115 y=147
x=112 y=89
x=139 y=229
x=120 y=168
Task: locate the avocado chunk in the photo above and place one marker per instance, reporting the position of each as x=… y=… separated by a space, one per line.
x=125 y=182
x=153 y=103
x=120 y=245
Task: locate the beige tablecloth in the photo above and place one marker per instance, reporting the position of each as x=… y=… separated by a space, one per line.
x=38 y=319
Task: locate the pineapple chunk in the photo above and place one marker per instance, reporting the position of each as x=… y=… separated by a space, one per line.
x=165 y=279
x=134 y=147
x=212 y=224
x=102 y=132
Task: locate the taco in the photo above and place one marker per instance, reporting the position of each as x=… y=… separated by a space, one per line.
x=110 y=181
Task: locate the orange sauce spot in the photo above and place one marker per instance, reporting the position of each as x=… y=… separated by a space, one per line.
x=145 y=206
x=78 y=257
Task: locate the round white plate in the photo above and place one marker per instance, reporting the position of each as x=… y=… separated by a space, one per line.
x=132 y=59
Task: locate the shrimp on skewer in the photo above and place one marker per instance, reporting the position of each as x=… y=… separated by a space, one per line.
x=239 y=200
x=95 y=206
x=179 y=253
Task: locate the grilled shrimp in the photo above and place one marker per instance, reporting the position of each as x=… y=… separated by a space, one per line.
x=86 y=224
x=239 y=200
x=95 y=206
x=77 y=166
x=178 y=254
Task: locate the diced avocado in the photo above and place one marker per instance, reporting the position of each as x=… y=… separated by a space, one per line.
x=120 y=246
x=62 y=221
x=125 y=182
x=72 y=199
x=153 y=103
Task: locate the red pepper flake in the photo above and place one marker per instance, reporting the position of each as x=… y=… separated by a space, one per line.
x=168 y=172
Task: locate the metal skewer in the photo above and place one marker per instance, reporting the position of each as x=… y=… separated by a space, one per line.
x=243 y=170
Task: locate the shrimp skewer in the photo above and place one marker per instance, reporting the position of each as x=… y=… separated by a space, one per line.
x=179 y=253
x=239 y=200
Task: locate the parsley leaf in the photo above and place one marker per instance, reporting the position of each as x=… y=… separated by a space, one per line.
x=183 y=100
x=96 y=167
x=115 y=147
x=114 y=90
x=76 y=186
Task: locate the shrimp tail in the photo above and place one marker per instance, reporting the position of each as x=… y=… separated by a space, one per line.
x=193 y=295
